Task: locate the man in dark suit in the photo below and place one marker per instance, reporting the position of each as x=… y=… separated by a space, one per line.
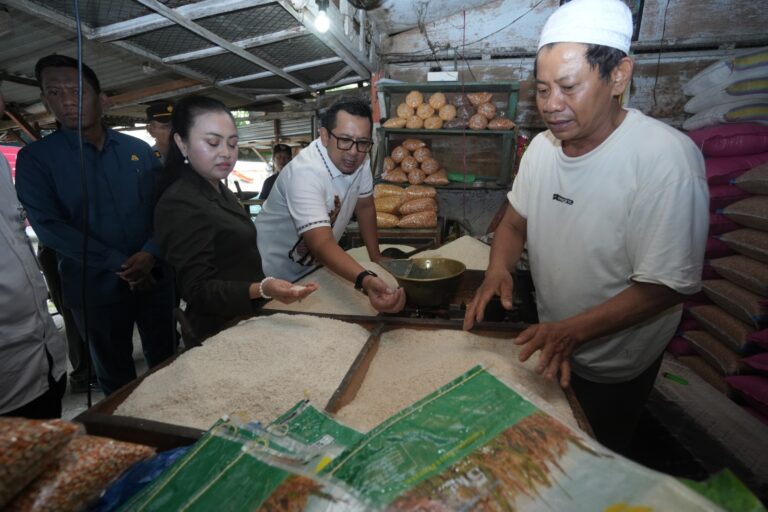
x=125 y=282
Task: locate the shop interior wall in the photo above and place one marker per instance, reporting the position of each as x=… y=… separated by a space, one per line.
x=676 y=40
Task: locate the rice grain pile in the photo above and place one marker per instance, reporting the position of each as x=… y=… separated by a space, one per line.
x=258 y=368
x=335 y=294
x=471 y=252
x=410 y=364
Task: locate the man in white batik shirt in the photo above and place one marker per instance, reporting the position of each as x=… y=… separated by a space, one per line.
x=313 y=200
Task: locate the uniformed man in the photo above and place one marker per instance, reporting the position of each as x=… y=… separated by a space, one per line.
x=159 y=126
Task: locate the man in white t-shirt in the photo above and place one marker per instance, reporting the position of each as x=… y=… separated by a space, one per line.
x=613 y=206
x=313 y=199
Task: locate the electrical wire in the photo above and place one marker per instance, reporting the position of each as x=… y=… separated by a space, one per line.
x=464 y=134
x=421 y=16
x=661 y=46
x=505 y=26
x=84 y=191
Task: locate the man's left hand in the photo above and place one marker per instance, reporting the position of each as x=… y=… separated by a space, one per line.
x=137 y=267
x=556 y=344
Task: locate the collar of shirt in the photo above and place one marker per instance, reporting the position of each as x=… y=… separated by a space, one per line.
x=329 y=165
x=71 y=137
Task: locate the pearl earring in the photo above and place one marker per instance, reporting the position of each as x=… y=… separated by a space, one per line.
x=186 y=160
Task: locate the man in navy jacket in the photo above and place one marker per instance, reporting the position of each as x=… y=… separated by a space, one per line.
x=125 y=281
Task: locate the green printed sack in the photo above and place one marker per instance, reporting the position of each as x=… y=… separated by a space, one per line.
x=475 y=444
x=236 y=467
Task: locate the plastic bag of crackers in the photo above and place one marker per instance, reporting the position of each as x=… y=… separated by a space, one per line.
x=411 y=207
x=48 y=465
x=475 y=111
x=412 y=162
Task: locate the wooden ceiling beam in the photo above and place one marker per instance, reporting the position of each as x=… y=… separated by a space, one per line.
x=203 y=32
x=17 y=79
x=138 y=96
x=17 y=118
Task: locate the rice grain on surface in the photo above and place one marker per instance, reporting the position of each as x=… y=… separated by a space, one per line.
x=410 y=364
x=258 y=369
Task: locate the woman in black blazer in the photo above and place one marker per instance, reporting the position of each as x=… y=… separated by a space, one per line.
x=202 y=229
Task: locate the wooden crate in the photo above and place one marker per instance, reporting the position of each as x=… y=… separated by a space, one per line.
x=101 y=420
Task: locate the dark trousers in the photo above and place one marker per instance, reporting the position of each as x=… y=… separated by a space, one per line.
x=613 y=410
x=47 y=405
x=78 y=354
x=110 y=329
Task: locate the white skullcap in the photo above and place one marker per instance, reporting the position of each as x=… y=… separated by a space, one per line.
x=603 y=22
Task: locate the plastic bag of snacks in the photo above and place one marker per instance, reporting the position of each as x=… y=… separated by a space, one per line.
x=238 y=466
x=26 y=448
x=82 y=470
x=418 y=192
x=384 y=190
x=426 y=219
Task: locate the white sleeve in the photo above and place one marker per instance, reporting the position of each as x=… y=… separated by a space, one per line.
x=366 y=180
x=667 y=229
x=521 y=188
x=305 y=196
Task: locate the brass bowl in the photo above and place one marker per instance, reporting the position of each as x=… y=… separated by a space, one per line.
x=426 y=281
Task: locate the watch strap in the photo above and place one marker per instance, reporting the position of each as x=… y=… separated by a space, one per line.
x=362 y=275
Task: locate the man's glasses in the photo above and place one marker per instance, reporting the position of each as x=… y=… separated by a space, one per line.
x=345 y=143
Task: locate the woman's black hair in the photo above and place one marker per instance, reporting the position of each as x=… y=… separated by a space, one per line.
x=185 y=111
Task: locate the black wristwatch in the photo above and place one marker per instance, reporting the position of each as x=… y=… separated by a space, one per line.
x=359 y=279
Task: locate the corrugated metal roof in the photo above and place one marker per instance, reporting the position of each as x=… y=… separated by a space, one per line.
x=169 y=41
x=246 y=23
x=320 y=74
x=300 y=49
x=265 y=130
x=225 y=66
x=270 y=82
x=128 y=44
x=97 y=12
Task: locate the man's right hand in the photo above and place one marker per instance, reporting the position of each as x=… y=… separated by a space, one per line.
x=496 y=282
x=382 y=297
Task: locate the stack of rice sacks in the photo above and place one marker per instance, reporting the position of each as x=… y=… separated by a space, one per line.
x=732 y=90
x=723 y=336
